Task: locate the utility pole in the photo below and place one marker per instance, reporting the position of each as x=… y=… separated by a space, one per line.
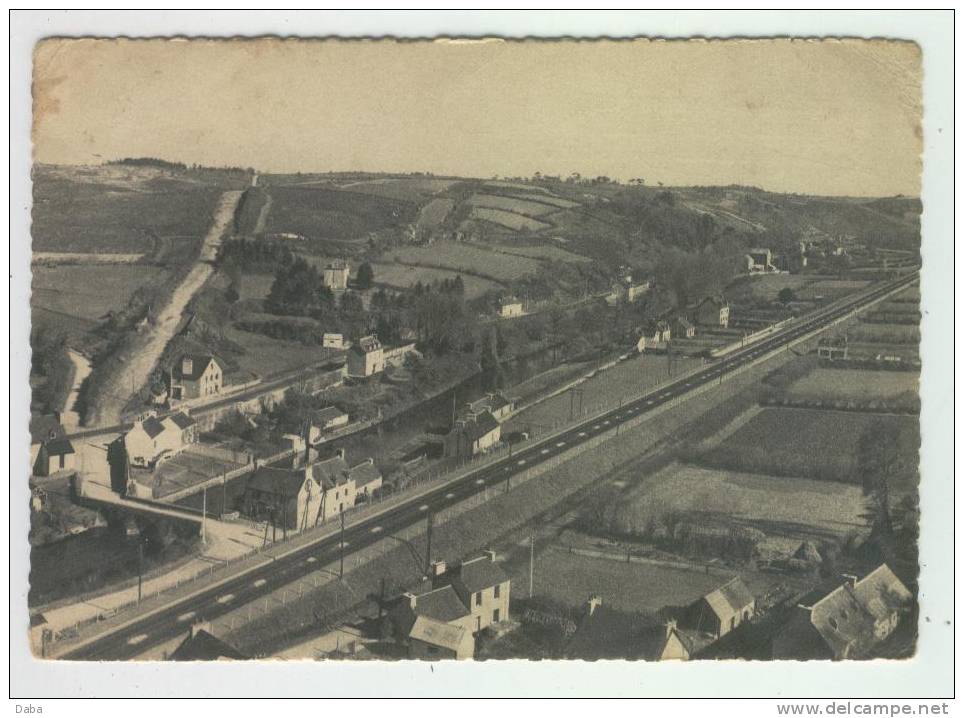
x=140 y=566
x=532 y=560
x=204 y=515
x=341 y=558
x=428 y=541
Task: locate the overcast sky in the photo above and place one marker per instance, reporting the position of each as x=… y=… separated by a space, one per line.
x=830 y=117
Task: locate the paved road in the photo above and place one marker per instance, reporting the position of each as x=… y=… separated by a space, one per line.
x=168 y=623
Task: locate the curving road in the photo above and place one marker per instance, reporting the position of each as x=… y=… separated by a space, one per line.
x=166 y=624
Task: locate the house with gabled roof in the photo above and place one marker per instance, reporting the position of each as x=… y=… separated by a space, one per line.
x=721 y=610
x=202 y=645
x=325 y=420
x=844 y=621
x=711 y=311
x=366 y=357
x=195 y=376
x=154 y=438
x=604 y=633
x=50 y=449
x=432 y=640
x=473 y=434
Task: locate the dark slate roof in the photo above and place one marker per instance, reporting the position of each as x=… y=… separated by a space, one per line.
x=200 y=363
x=729 y=598
x=153 y=426
x=276 y=481
x=480 y=573
x=45 y=428
x=366 y=344
x=202 y=646
x=327 y=414
x=611 y=634
x=483 y=424
x=182 y=420
x=364 y=473
x=442 y=604
x=330 y=472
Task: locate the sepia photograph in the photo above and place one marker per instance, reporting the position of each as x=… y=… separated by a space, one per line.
x=478 y=349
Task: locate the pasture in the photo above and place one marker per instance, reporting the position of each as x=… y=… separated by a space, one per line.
x=332 y=214
x=406 y=189
x=465 y=258
x=809 y=443
x=401 y=276
x=824 y=383
x=510 y=220
x=434 y=213
x=266 y=357
x=787 y=509
x=538 y=251
x=511 y=204
x=104 y=210
x=89 y=291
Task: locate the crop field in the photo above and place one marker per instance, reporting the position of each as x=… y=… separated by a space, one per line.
x=511 y=204
x=558 y=202
x=407 y=189
x=852 y=384
x=608 y=387
x=89 y=291
x=467 y=258
x=401 y=276
x=332 y=214
x=434 y=213
x=83 y=212
x=766 y=287
x=539 y=251
x=510 y=220
x=806 y=443
x=787 y=510
x=519 y=186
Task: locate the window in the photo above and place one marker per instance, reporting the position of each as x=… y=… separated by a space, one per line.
x=732 y=622
x=497 y=590
x=478 y=599
x=495 y=616
x=62 y=457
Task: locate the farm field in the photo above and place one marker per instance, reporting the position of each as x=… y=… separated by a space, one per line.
x=89 y=291
x=401 y=276
x=571 y=579
x=626 y=379
x=332 y=214
x=512 y=204
x=787 y=509
x=539 y=251
x=807 y=443
x=122 y=210
x=407 y=189
x=507 y=219
x=468 y=259
x=766 y=287
x=518 y=186
x=826 y=383
x=434 y=213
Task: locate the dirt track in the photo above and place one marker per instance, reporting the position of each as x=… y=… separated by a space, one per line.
x=141 y=354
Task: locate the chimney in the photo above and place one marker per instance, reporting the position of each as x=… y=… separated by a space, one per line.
x=849 y=579
x=410 y=597
x=340 y=453
x=489 y=555
x=187 y=365
x=670 y=627
x=594 y=602
x=437 y=568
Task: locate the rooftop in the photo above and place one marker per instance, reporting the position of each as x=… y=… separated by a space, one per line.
x=437 y=633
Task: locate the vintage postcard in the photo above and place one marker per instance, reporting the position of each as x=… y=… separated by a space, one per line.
x=381 y=350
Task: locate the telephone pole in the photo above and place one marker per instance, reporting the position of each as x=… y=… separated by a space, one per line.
x=140 y=566
x=532 y=560
x=204 y=515
x=341 y=552
x=428 y=541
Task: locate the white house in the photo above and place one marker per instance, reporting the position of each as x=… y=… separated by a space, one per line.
x=335 y=275
x=50 y=449
x=510 y=307
x=333 y=340
x=366 y=357
x=153 y=439
x=195 y=376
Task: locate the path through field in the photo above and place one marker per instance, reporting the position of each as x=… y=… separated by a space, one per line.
x=69 y=417
x=140 y=356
